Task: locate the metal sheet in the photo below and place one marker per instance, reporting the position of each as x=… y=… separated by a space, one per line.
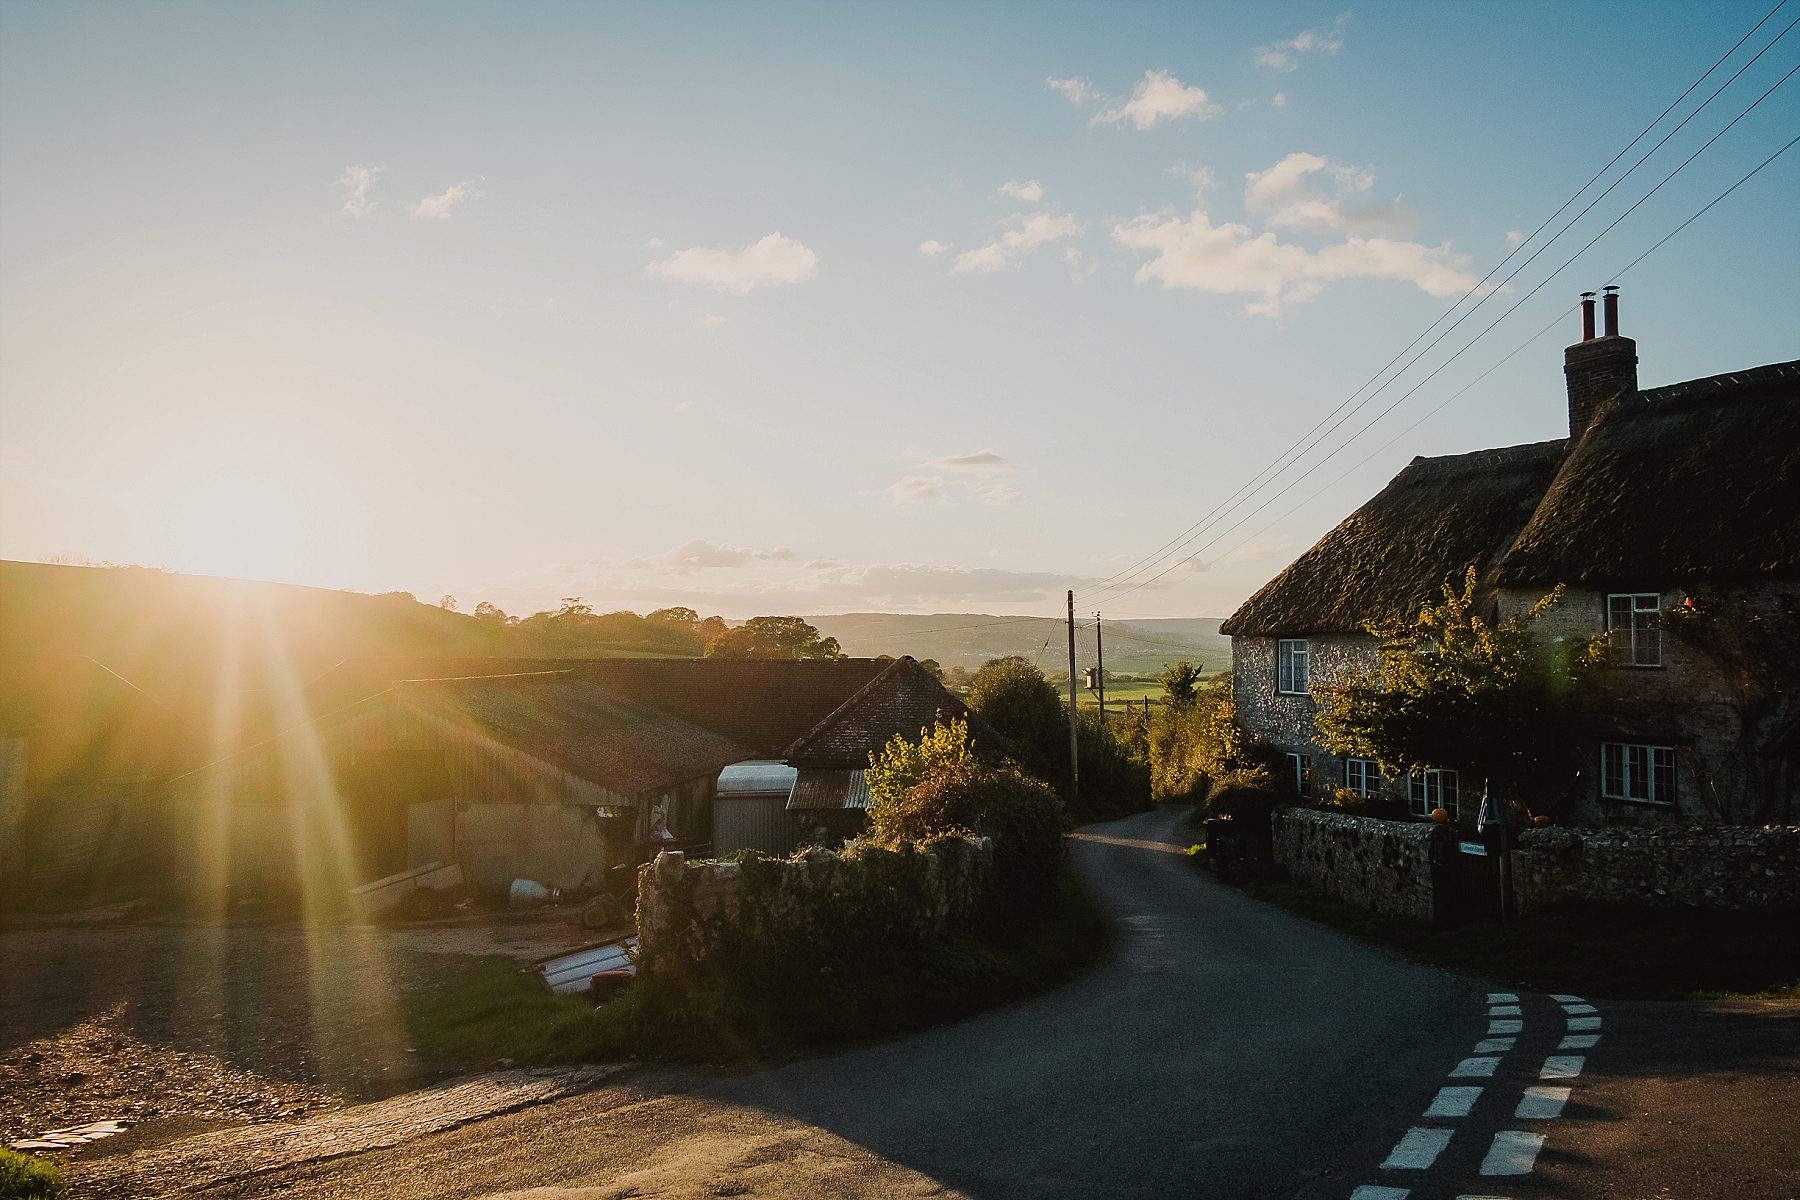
x=816 y=788
x=570 y=972
x=762 y=775
x=752 y=823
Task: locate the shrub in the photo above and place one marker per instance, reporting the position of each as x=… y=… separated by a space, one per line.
x=1115 y=777
x=23 y=1177
x=1013 y=696
x=1382 y=808
x=1193 y=743
x=903 y=764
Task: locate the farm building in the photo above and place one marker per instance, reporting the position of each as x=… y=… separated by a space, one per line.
x=1671 y=516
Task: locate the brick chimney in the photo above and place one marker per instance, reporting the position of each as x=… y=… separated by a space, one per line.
x=1598 y=368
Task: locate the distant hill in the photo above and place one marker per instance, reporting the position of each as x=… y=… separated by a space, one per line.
x=969 y=639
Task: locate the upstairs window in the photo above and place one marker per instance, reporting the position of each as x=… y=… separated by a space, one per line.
x=1642 y=773
x=1362 y=776
x=1433 y=789
x=1634 y=627
x=1290 y=666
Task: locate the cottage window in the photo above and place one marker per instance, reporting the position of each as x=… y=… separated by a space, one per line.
x=1433 y=789
x=1642 y=773
x=1362 y=776
x=1634 y=625
x=1290 y=666
x=1301 y=764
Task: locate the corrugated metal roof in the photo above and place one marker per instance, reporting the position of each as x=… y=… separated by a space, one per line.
x=818 y=787
x=570 y=972
x=763 y=775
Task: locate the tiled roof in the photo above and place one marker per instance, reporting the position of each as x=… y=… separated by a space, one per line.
x=903 y=699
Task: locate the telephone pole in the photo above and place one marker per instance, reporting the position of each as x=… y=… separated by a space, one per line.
x=1100 y=669
x=1074 y=694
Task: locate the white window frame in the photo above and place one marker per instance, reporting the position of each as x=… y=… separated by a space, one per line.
x=1292 y=667
x=1426 y=790
x=1634 y=627
x=1637 y=772
x=1362 y=776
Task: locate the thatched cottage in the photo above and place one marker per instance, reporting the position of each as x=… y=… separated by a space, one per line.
x=1689 y=492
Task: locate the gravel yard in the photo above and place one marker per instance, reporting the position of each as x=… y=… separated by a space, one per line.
x=175 y=1027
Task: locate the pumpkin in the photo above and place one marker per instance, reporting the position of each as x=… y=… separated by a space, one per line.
x=1440 y=815
x=1540 y=822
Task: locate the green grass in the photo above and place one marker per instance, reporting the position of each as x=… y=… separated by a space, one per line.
x=1588 y=950
x=23 y=1177
x=497 y=1013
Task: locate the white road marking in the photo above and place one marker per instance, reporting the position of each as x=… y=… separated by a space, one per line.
x=1502 y=998
x=1511 y=1027
x=1495 y=1045
x=1562 y=1066
x=1542 y=1103
x=1369 y=1191
x=1573 y=1009
x=1418 y=1149
x=1476 y=1068
x=1582 y=1023
x=1453 y=1102
x=1579 y=1041
x=1513 y=1153
x=1506 y=1010
x=1567 y=999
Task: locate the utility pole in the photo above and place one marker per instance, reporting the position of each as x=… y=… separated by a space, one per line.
x=1100 y=669
x=1074 y=694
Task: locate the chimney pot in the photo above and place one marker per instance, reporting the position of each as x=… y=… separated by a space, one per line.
x=1611 y=306
x=1587 y=316
x=1598 y=369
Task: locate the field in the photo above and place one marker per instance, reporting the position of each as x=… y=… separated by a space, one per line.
x=969 y=639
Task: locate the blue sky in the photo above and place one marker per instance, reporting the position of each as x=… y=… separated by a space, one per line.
x=823 y=308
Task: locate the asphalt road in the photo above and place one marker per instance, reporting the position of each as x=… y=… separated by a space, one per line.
x=1223 y=1049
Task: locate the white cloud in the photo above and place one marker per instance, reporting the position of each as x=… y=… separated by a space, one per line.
x=1012 y=246
x=712 y=320
x=997 y=493
x=982 y=462
x=775 y=259
x=355 y=182
x=1286 y=192
x=1323 y=40
x=1280 y=100
x=1159 y=96
x=437 y=208
x=654 y=243
x=1031 y=191
x=696 y=555
x=1077 y=90
x=1515 y=237
x=1200 y=178
x=916 y=489
x=1193 y=253
x=932 y=248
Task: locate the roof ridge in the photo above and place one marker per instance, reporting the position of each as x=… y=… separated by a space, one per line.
x=830 y=717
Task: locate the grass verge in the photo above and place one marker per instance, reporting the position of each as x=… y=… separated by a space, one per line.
x=24 y=1177
x=495 y=1012
x=1616 y=953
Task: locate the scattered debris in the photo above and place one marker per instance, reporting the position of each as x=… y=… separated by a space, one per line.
x=394 y=891
x=573 y=970
x=74 y=1135
x=526 y=892
x=604 y=985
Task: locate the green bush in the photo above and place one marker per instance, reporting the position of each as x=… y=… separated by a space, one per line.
x=24 y=1177
x=1382 y=808
x=1013 y=696
x=1115 y=777
x=1193 y=741
x=1024 y=816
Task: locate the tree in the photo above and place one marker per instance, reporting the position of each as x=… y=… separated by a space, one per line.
x=447 y=603
x=1193 y=742
x=1013 y=696
x=493 y=612
x=1453 y=691
x=684 y=618
x=773 y=637
x=1180 y=683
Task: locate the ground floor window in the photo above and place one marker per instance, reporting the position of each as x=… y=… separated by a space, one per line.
x=1301 y=764
x=1362 y=776
x=1631 y=772
x=1433 y=789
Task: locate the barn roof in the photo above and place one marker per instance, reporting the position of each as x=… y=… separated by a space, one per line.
x=1394 y=554
x=903 y=699
x=1698 y=480
x=577 y=726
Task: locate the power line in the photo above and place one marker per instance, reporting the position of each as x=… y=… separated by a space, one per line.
x=1318 y=432
x=1115 y=589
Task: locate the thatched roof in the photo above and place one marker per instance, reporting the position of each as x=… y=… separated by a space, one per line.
x=577 y=726
x=1394 y=554
x=1700 y=480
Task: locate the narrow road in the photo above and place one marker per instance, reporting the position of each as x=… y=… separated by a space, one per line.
x=1223 y=1049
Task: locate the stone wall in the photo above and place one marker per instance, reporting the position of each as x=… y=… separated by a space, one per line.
x=1721 y=867
x=1391 y=867
x=813 y=909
